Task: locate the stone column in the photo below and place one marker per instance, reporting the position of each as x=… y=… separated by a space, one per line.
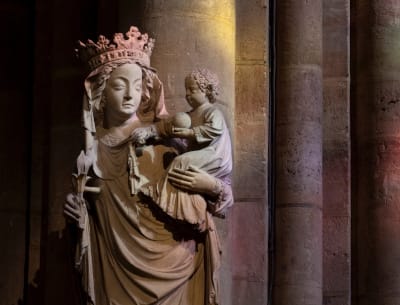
x=298 y=254
x=376 y=141
x=250 y=213
x=191 y=34
x=195 y=34
x=336 y=152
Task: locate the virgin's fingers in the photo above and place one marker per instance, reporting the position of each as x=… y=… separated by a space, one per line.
x=185 y=173
x=181 y=186
x=179 y=182
x=180 y=176
x=71 y=216
x=74 y=203
x=72 y=210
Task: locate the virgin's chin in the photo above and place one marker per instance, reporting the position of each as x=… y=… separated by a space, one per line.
x=129 y=109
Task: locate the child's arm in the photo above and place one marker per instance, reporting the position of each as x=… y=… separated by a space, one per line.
x=212 y=128
x=185 y=133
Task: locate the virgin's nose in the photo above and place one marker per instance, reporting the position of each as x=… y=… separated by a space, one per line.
x=128 y=93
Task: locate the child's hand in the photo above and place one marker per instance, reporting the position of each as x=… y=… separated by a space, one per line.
x=140 y=135
x=186 y=133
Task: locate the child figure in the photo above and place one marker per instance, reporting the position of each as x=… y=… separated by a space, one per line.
x=208 y=148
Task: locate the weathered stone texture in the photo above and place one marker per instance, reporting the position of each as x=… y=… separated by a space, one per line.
x=250 y=131
x=299 y=32
x=298 y=272
x=249 y=259
x=377 y=88
x=336 y=48
x=191 y=35
x=250 y=213
x=337 y=257
x=249 y=217
x=336 y=154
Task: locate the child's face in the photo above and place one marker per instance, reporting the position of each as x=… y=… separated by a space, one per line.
x=194 y=95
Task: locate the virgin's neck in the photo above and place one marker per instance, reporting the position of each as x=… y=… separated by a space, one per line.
x=110 y=122
x=118 y=135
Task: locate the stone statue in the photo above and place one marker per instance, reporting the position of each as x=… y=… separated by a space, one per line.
x=130 y=250
x=207 y=146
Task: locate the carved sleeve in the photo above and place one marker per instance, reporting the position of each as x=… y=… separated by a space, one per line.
x=212 y=127
x=219 y=205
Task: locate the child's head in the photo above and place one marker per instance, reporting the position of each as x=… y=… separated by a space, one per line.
x=206 y=81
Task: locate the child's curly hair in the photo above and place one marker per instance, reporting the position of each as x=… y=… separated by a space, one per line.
x=208 y=82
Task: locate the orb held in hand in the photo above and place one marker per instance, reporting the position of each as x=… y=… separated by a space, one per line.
x=181 y=120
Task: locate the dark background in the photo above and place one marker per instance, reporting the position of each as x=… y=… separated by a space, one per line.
x=40 y=94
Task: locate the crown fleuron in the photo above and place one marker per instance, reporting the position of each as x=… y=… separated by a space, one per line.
x=135 y=46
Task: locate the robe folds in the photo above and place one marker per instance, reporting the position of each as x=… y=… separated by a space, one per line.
x=135 y=253
x=210 y=151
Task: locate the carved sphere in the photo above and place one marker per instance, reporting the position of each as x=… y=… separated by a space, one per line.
x=182 y=120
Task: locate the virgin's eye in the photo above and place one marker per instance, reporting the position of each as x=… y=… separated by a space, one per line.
x=118 y=87
x=138 y=88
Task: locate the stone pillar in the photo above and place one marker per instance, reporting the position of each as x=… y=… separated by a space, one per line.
x=188 y=35
x=298 y=253
x=376 y=153
x=249 y=215
x=336 y=152
x=194 y=34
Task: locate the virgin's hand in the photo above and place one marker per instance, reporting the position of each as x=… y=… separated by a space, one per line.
x=140 y=135
x=74 y=211
x=193 y=180
x=186 y=133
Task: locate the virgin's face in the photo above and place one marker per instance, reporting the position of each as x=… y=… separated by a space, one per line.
x=123 y=93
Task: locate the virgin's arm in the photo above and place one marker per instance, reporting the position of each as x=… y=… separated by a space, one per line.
x=217 y=192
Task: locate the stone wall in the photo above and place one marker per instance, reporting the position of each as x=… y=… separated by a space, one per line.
x=249 y=216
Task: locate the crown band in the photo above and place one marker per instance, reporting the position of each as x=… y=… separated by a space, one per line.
x=110 y=56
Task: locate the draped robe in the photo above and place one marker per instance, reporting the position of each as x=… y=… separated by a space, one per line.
x=136 y=254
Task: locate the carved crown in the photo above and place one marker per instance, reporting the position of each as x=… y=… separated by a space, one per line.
x=135 y=46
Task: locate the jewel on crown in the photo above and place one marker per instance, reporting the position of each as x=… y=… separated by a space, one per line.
x=136 y=46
